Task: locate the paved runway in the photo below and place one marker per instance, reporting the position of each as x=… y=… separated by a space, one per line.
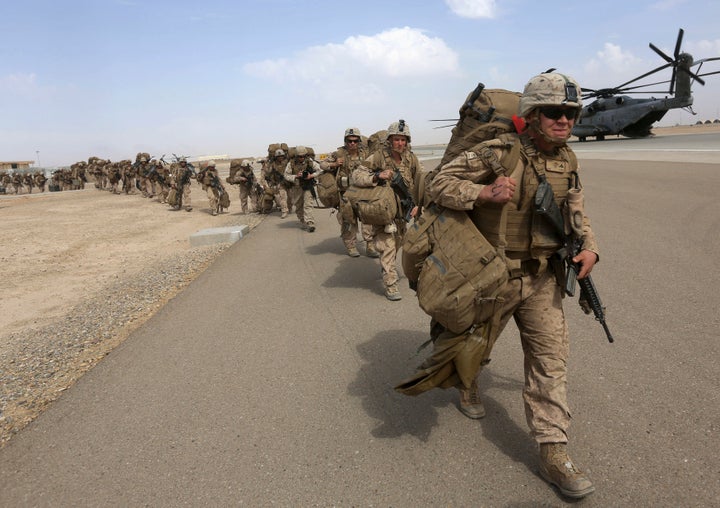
x=269 y=380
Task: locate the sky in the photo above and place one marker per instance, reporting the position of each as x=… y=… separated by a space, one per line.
x=111 y=78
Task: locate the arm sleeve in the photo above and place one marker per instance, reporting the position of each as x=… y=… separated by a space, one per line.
x=457 y=184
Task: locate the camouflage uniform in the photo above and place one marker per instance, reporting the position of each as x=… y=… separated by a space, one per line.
x=183 y=172
x=245 y=177
x=302 y=187
x=532 y=297
x=388 y=239
x=342 y=163
x=211 y=184
x=273 y=177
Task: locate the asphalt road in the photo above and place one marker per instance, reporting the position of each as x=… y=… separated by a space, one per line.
x=269 y=380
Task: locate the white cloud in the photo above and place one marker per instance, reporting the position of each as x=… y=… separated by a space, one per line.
x=613 y=59
x=398 y=52
x=472 y=8
x=703 y=48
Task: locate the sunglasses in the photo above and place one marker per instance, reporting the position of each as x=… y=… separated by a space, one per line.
x=555 y=112
x=353 y=140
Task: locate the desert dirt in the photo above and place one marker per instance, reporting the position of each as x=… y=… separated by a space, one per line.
x=80 y=271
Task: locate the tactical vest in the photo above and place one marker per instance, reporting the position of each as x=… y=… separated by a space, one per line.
x=526 y=235
x=350 y=162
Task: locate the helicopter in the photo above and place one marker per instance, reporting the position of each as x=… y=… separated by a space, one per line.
x=615 y=112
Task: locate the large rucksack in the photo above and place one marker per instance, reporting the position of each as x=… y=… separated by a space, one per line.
x=485 y=114
x=455 y=271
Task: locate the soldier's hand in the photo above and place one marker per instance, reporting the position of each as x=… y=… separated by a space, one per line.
x=586 y=259
x=385 y=174
x=500 y=191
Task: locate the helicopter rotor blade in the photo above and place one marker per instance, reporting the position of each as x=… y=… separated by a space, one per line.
x=659 y=52
x=678 y=43
x=657 y=69
x=445 y=120
x=672 y=80
x=444 y=126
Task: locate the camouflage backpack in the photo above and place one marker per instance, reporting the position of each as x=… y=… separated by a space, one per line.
x=485 y=114
x=454 y=269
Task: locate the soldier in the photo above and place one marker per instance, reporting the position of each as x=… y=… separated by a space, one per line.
x=395 y=158
x=142 y=171
x=114 y=173
x=160 y=175
x=502 y=208
x=342 y=163
x=211 y=183
x=301 y=171
x=273 y=176
x=182 y=180
x=248 y=185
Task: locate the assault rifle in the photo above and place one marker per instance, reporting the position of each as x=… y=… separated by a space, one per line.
x=406 y=199
x=309 y=184
x=215 y=183
x=545 y=206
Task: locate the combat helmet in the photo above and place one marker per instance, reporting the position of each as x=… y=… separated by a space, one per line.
x=245 y=164
x=301 y=151
x=352 y=131
x=210 y=164
x=550 y=89
x=399 y=128
x=279 y=152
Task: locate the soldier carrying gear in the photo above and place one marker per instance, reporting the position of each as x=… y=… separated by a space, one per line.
x=498 y=191
x=338 y=168
x=301 y=171
x=248 y=186
x=393 y=162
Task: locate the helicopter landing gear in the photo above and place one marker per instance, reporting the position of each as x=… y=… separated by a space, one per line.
x=601 y=137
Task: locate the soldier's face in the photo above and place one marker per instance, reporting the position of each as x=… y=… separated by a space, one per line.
x=398 y=143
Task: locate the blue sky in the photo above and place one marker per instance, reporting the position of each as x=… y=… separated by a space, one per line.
x=115 y=77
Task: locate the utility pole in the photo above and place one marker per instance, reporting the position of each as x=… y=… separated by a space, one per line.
x=37 y=152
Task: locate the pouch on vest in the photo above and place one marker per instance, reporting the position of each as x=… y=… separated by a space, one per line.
x=172 y=198
x=373 y=205
x=224 y=200
x=460 y=280
x=328 y=190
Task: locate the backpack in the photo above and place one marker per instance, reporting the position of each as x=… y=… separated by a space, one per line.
x=456 y=272
x=375 y=205
x=376 y=141
x=485 y=114
x=327 y=188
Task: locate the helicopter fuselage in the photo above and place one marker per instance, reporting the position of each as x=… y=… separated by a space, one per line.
x=624 y=115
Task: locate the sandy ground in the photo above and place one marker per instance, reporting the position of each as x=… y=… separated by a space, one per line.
x=65 y=257
x=59 y=247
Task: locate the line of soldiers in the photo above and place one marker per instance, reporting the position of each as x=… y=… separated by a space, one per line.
x=19 y=183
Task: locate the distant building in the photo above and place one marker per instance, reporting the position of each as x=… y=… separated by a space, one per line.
x=21 y=165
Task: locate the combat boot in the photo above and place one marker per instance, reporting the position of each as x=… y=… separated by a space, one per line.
x=557 y=469
x=371 y=251
x=353 y=252
x=392 y=293
x=470 y=403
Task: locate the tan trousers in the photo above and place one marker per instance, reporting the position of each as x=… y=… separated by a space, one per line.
x=388 y=244
x=349 y=231
x=535 y=302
